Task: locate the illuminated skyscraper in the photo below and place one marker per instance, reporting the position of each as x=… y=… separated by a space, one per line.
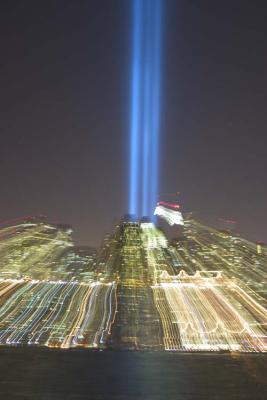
x=37 y=249
x=204 y=291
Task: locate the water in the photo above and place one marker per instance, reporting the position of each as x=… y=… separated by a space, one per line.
x=43 y=374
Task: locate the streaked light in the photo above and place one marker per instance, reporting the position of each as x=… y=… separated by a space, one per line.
x=171 y=205
x=172 y=217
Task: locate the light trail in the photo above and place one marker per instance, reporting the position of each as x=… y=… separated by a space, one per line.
x=204 y=314
x=224 y=251
x=43 y=251
x=201 y=294
x=56 y=314
x=172 y=217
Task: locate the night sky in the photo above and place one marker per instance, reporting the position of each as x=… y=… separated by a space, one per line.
x=65 y=108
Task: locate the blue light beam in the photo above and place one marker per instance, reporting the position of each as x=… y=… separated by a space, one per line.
x=148 y=67
x=156 y=105
x=135 y=107
x=145 y=106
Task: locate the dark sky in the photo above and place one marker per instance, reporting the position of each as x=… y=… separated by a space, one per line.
x=64 y=111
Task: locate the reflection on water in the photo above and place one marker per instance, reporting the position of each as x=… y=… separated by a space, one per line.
x=44 y=374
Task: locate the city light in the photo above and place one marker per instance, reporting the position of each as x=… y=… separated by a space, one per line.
x=171 y=216
x=203 y=292
x=145 y=107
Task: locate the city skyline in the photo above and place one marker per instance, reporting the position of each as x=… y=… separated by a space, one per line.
x=133 y=235
x=205 y=291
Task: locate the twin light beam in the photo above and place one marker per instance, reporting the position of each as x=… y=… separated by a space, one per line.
x=145 y=105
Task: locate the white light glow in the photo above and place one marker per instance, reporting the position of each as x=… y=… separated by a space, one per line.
x=172 y=217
